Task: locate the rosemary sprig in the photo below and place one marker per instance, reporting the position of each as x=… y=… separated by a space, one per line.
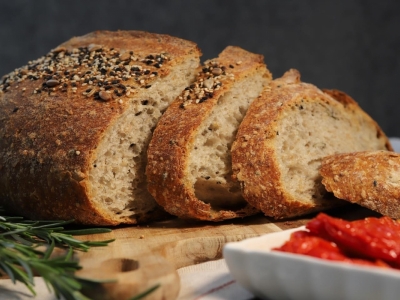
x=22 y=254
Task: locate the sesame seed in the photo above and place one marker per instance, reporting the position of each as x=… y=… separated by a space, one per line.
x=52 y=82
x=216 y=71
x=104 y=96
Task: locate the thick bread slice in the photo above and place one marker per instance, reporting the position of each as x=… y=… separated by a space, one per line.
x=369 y=178
x=76 y=123
x=189 y=169
x=283 y=138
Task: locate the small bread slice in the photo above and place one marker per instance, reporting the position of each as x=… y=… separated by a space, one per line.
x=189 y=170
x=75 y=125
x=369 y=178
x=283 y=138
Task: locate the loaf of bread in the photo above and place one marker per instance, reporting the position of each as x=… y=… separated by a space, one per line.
x=189 y=162
x=75 y=125
x=369 y=178
x=284 y=136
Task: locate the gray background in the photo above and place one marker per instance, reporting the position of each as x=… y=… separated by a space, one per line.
x=348 y=45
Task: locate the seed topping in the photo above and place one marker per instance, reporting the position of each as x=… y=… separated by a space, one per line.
x=209 y=80
x=90 y=71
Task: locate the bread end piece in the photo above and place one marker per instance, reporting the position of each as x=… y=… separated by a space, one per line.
x=369 y=178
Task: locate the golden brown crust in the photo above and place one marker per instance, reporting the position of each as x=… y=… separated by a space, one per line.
x=254 y=154
x=370 y=179
x=173 y=138
x=51 y=123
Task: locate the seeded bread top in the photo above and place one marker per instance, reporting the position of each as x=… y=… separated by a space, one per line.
x=54 y=111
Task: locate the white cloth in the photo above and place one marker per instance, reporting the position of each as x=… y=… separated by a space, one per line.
x=18 y=291
x=210 y=281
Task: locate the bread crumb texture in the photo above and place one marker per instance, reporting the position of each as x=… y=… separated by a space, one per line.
x=189 y=170
x=75 y=125
x=284 y=136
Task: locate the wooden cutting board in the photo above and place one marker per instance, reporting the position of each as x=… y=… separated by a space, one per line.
x=147 y=255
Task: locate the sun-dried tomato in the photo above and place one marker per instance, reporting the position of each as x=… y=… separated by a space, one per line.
x=306 y=243
x=373 y=238
x=371 y=241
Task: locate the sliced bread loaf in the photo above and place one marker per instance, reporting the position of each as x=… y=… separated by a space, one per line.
x=283 y=138
x=369 y=178
x=75 y=125
x=189 y=170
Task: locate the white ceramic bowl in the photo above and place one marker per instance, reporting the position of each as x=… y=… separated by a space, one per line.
x=278 y=275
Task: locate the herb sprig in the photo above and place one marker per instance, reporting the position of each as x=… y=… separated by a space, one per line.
x=27 y=249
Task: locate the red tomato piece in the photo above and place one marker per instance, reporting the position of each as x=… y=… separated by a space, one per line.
x=374 y=238
x=303 y=242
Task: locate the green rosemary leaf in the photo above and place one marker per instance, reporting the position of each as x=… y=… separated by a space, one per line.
x=49 y=250
x=26 y=267
x=99 y=244
x=69 y=255
x=6 y=269
x=90 y=281
x=27 y=250
x=27 y=247
x=14 y=231
x=22 y=240
x=19 y=274
x=145 y=293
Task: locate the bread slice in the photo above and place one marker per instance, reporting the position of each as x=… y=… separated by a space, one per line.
x=76 y=123
x=283 y=138
x=369 y=178
x=189 y=169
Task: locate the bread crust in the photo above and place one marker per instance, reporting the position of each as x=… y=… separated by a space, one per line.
x=173 y=138
x=254 y=154
x=370 y=179
x=48 y=140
